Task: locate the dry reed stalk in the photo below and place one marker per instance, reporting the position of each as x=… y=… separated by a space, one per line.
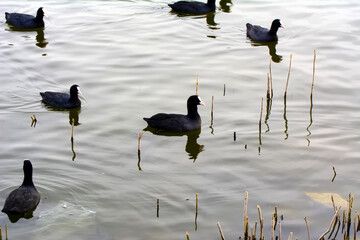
x=279 y=230
x=307 y=228
x=6 y=236
x=0 y=234
x=212 y=107
x=331 y=223
x=187 y=235
x=196 y=204
x=333 y=203
x=290 y=236
x=343 y=221
x=358 y=216
x=348 y=220
x=334 y=174
x=139 y=140
x=275 y=216
x=220 y=230
x=245 y=209
x=252 y=233
x=313 y=78
x=224 y=89
x=197 y=85
x=255 y=230
x=355 y=227
x=288 y=77
x=272 y=227
x=246 y=233
x=260 y=222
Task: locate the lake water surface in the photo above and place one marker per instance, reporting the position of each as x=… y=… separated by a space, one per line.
x=133 y=59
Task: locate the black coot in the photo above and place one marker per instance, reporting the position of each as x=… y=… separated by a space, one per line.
x=178 y=122
x=26 y=21
x=258 y=33
x=25 y=198
x=63 y=100
x=194 y=7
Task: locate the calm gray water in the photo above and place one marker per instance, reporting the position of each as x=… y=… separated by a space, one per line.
x=133 y=59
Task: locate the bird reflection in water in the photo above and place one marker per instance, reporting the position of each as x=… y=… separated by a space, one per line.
x=40 y=39
x=40 y=36
x=210 y=19
x=272 y=49
x=192 y=147
x=225 y=5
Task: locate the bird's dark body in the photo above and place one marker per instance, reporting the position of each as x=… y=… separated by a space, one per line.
x=193 y=7
x=25 y=21
x=174 y=122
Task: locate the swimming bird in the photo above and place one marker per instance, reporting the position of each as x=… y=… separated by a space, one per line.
x=258 y=33
x=26 y=21
x=193 y=7
x=25 y=198
x=178 y=122
x=63 y=100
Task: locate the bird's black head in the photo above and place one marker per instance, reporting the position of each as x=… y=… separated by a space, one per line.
x=275 y=26
x=27 y=166
x=75 y=91
x=28 y=170
x=40 y=13
x=194 y=100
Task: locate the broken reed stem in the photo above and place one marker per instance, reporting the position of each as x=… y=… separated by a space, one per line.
x=260 y=222
x=72 y=129
x=6 y=236
x=196 y=204
x=220 y=230
x=288 y=76
x=139 y=140
x=212 y=107
x=279 y=230
x=334 y=174
x=313 y=78
x=255 y=229
x=290 y=236
x=307 y=228
x=331 y=223
x=197 y=85
x=333 y=203
x=351 y=200
x=224 y=89
x=245 y=211
x=187 y=235
x=355 y=227
x=272 y=227
x=0 y=234
x=246 y=231
x=157 y=207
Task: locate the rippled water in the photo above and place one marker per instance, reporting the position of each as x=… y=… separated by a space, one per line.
x=133 y=59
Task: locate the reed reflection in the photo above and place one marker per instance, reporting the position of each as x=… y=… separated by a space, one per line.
x=272 y=49
x=73 y=121
x=192 y=147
